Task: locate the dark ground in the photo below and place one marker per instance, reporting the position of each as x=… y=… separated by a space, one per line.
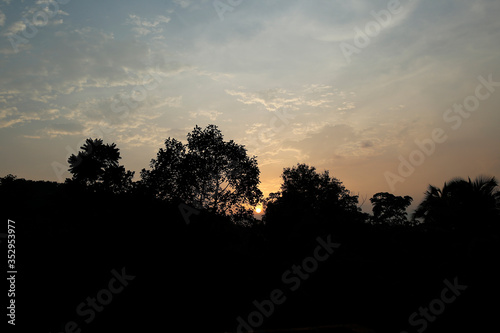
x=201 y=277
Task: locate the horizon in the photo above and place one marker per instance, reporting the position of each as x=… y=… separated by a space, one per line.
x=388 y=96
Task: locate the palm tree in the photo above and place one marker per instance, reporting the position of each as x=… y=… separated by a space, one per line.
x=461 y=203
x=96 y=166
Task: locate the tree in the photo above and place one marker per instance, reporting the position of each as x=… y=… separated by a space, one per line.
x=461 y=204
x=167 y=179
x=207 y=172
x=390 y=209
x=97 y=167
x=7 y=180
x=307 y=197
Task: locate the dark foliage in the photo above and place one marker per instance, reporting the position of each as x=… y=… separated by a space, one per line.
x=207 y=173
x=462 y=205
x=96 y=167
x=309 y=202
x=388 y=208
x=201 y=271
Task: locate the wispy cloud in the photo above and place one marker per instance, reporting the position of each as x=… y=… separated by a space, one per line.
x=183 y=3
x=63 y=129
x=271 y=75
x=143 y=26
x=210 y=114
x=2 y=19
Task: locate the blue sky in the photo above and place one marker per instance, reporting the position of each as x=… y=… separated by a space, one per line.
x=346 y=86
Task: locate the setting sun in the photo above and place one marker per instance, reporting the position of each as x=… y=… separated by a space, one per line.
x=258 y=210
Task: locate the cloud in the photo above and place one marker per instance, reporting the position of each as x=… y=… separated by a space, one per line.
x=11 y=116
x=86 y=58
x=210 y=114
x=63 y=129
x=283 y=115
x=6 y=118
x=38 y=15
x=338 y=19
x=147 y=134
x=366 y=144
x=9 y=123
x=15 y=28
x=272 y=75
x=183 y=3
x=143 y=26
x=214 y=75
x=77 y=60
x=310 y=97
x=129 y=122
x=2 y=19
x=347 y=143
x=271 y=99
x=171 y=101
x=327 y=143
x=46 y=6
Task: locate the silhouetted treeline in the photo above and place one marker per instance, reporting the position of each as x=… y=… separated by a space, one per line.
x=197 y=268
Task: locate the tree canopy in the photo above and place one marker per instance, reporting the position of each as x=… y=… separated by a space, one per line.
x=96 y=166
x=390 y=209
x=461 y=203
x=218 y=176
x=306 y=197
x=207 y=173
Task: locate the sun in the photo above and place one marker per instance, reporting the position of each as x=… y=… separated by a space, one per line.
x=258 y=210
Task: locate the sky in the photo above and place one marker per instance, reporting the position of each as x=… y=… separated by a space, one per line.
x=389 y=96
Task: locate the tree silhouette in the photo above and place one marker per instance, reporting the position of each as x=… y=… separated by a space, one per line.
x=7 y=180
x=306 y=197
x=167 y=178
x=461 y=204
x=207 y=172
x=96 y=167
x=390 y=209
